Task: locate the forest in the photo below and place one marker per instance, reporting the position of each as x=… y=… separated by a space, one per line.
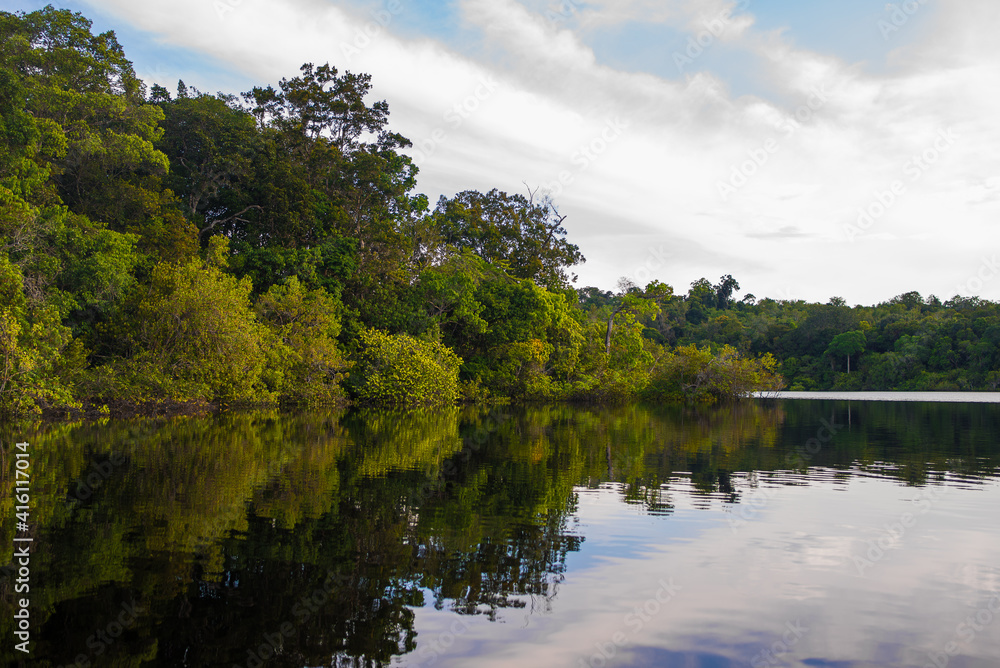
x=183 y=248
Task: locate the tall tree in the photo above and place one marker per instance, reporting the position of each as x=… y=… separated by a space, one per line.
x=104 y=163
x=724 y=291
x=847 y=344
x=637 y=301
x=212 y=144
x=525 y=236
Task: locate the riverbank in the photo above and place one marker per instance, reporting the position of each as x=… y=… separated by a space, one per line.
x=941 y=397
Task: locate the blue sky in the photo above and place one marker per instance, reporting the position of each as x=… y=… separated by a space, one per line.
x=773 y=154
x=847 y=30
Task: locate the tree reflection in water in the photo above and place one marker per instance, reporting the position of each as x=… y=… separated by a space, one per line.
x=309 y=539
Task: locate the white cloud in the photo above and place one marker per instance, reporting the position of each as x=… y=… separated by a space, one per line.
x=657 y=183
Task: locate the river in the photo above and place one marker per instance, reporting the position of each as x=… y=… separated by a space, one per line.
x=784 y=532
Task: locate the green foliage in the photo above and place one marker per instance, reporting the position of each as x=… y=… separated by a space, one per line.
x=907 y=343
x=447 y=293
x=615 y=372
x=327 y=265
x=847 y=344
x=696 y=375
x=304 y=361
x=96 y=133
x=38 y=357
x=525 y=237
x=193 y=336
x=400 y=370
x=531 y=343
x=298 y=198
x=211 y=144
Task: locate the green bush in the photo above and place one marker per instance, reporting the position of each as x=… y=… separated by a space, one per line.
x=400 y=370
x=193 y=337
x=304 y=362
x=618 y=375
x=38 y=357
x=694 y=374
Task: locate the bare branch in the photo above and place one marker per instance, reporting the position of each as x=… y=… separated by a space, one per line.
x=235 y=216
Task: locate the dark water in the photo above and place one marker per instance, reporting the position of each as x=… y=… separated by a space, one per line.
x=793 y=533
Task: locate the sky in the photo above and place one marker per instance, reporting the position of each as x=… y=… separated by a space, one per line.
x=843 y=148
x=721 y=584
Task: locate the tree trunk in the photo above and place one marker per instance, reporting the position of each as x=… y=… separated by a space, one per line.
x=611 y=324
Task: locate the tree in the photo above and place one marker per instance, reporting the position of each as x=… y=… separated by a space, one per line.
x=846 y=344
x=701 y=297
x=447 y=294
x=695 y=374
x=193 y=335
x=37 y=354
x=322 y=102
x=724 y=291
x=305 y=363
x=531 y=343
x=100 y=133
x=911 y=300
x=211 y=144
x=525 y=237
x=636 y=301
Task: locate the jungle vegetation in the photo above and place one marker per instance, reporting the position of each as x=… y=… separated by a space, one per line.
x=180 y=247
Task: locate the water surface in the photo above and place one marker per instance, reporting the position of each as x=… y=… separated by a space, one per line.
x=945 y=397
x=785 y=533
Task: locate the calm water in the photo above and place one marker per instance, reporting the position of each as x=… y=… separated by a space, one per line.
x=937 y=397
x=784 y=533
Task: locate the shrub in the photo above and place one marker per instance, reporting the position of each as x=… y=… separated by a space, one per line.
x=38 y=356
x=304 y=362
x=400 y=370
x=695 y=374
x=194 y=337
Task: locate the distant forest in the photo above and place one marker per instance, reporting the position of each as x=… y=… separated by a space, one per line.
x=177 y=247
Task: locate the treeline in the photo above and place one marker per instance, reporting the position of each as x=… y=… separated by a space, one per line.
x=168 y=247
x=178 y=246
x=908 y=343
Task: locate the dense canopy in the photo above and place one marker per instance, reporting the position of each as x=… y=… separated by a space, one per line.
x=177 y=246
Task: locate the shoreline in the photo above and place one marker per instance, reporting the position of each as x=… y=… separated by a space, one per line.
x=887 y=395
